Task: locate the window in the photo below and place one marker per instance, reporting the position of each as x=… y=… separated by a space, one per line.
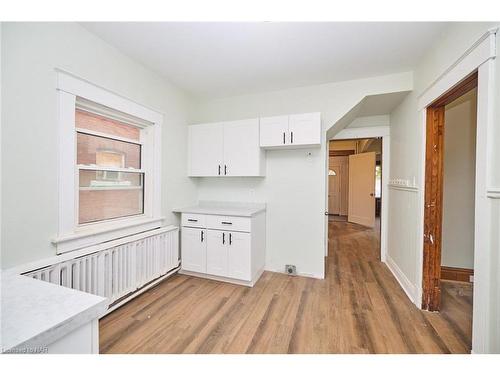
x=378 y=181
x=111 y=181
x=109 y=165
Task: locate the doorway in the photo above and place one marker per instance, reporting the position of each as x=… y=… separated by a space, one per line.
x=449 y=204
x=355 y=188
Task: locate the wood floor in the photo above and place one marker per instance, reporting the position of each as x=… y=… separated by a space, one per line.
x=358 y=308
x=456 y=308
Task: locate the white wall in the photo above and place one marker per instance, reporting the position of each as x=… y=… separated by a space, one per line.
x=459 y=182
x=367 y=121
x=30 y=53
x=407 y=148
x=294 y=187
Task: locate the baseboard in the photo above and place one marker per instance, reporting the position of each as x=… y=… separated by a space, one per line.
x=131 y=296
x=302 y=274
x=405 y=283
x=219 y=278
x=456 y=274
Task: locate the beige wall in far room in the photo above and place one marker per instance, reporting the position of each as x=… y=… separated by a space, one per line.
x=459 y=181
x=343 y=145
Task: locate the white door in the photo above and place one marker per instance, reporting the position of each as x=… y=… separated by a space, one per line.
x=206 y=149
x=362 y=189
x=274 y=131
x=217 y=252
x=239 y=262
x=305 y=129
x=242 y=153
x=194 y=249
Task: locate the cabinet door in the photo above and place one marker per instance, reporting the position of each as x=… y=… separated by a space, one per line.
x=217 y=253
x=194 y=249
x=305 y=129
x=274 y=131
x=206 y=149
x=242 y=153
x=239 y=256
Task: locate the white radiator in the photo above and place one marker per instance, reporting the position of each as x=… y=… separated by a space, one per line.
x=120 y=270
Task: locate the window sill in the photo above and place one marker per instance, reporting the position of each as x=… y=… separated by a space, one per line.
x=96 y=235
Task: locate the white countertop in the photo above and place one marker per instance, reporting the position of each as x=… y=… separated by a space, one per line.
x=36 y=313
x=224 y=208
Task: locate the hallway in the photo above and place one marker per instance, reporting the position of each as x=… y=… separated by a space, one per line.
x=358 y=308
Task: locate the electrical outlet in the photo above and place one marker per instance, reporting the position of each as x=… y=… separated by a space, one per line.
x=290 y=269
x=471 y=278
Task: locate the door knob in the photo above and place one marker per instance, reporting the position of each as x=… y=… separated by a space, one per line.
x=371 y=194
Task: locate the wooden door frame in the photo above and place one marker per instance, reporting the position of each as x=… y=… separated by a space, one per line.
x=481 y=57
x=433 y=192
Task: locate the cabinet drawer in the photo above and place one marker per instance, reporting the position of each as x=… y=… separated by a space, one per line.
x=194 y=220
x=230 y=223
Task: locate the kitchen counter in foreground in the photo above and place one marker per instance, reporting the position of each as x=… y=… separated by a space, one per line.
x=40 y=317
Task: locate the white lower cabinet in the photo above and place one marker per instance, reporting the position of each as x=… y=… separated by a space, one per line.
x=194 y=249
x=239 y=256
x=217 y=253
x=236 y=255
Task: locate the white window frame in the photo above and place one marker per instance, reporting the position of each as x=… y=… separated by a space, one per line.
x=72 y=235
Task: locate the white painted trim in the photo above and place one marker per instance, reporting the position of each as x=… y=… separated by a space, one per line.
x=413 y=189
x=111 y=169
x=405 y=283
x=218 y=278
x=480 y=56
x=42 y=263
x=482 y=50
x=367 y=132
x=483 y=252
x=94 y=236
x=300 y=274
x=493 y=192
x=72 y=236
x=81 y=87
x=371 y=132
x=420 y=224
x=108 y=136
x=67 y=178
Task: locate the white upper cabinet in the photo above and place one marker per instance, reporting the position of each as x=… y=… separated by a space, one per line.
x=293 y=131
x=226 y=149
x=305 y=129
x=273 y=131
x=242 y=154
x=206 y=152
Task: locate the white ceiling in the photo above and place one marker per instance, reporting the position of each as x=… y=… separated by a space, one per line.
x=223 y=59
